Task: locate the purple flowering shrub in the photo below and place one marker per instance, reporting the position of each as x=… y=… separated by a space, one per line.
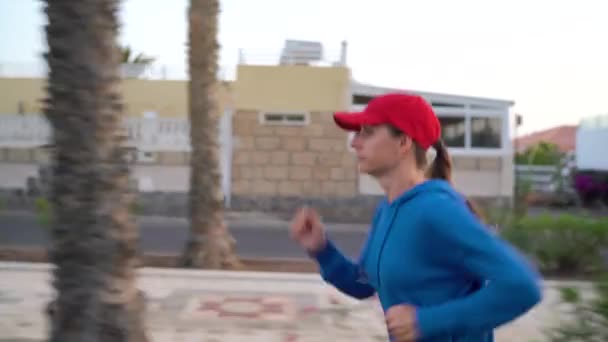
x=591 y=187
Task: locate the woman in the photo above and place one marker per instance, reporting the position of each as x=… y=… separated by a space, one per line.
x=439 y=273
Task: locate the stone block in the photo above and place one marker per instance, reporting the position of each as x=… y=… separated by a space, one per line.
x=260 y=157
x=321 y=173
x=275 y=172
x=320 y=144
x=251 y=172
x=300 y=173
x=328 y=188
x=330 y=159
x=241 y=126
x=325 y=118
x=333 y=131
x=235 y=173
x=294 y=144
x=351 y=173
x=312 y=188
x=315 y=130
x=267 y=143
x=339 y=144
x=241 y=158
x=241 y=186
x=290 y=131
x=339 y=188
x=263 y=187
x=264 y=130
x=289 y=188
x=346 y=188
x=303 y=158
x=349 y=160
x=279 y=158
x=245 y=143
x=337 y=173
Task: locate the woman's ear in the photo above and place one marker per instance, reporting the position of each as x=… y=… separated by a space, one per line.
x=406 y=142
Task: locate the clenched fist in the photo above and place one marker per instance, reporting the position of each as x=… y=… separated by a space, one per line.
x=307 y=229
x=401 y=323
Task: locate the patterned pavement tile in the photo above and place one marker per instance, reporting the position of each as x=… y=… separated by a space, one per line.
x=209 y=306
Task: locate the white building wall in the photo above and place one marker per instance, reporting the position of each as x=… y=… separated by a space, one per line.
x=591 y=143
x=145 y=134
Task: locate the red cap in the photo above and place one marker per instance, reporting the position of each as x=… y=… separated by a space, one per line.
x=411 y=114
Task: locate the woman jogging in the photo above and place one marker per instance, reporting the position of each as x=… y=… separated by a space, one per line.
x=440 y=274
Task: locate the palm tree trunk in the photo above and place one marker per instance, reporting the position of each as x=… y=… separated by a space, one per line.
x=93 y=235
x=210 y=244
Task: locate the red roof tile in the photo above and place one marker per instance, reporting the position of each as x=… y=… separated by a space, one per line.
x=563 y=136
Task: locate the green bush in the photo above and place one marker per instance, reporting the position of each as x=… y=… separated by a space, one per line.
x=44 y=212
x=587 y=321
x=543 y=153
x=500 y=217
x=566 y=245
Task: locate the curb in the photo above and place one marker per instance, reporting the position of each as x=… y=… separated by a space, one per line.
x=170 y=261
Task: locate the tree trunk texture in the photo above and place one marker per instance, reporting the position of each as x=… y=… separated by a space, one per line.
x=210 y=245
x=94 y=237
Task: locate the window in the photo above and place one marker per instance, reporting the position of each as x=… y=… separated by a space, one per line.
x=362 y=99
x=486 y=132
x=284 y=118
x=437 y=104
x=476 y=106
x=453 y=130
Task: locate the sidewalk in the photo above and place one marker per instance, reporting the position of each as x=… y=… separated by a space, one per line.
x=185 y=305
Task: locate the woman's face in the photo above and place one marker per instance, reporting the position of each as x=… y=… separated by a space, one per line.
x=378 y=150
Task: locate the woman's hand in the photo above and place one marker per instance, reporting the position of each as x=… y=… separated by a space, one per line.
x=307 y=229
x=401 y=323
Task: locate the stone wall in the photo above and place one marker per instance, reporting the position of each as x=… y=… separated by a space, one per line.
x=289 y=161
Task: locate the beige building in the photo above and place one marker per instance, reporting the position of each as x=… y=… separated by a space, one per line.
x=279 y=144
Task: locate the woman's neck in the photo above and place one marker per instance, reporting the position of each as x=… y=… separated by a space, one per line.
x=399 y=181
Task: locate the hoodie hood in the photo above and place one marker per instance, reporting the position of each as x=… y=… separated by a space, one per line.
x=426 y=187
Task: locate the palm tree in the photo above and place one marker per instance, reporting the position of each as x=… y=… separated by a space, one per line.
x=93 y=235
x=210 y=244
x=133 y=66
x=128 y=57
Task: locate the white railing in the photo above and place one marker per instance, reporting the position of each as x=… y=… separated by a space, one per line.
x=596 y=122
x=278 y=57
x=543 y=178
x=23 y=131
x=154 y=134
x=150 y=72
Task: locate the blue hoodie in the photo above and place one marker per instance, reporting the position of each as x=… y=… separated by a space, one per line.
x=427 y=249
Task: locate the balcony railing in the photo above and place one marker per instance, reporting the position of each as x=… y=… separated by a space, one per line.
x=155 y=134
x=150 y=72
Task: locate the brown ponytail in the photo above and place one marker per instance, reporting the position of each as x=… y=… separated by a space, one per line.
x=442 y=165
x=442 y=169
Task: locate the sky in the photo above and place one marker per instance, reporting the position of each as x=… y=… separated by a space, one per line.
x=548 y=56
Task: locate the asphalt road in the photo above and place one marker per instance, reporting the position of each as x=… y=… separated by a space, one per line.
x=168 y=235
